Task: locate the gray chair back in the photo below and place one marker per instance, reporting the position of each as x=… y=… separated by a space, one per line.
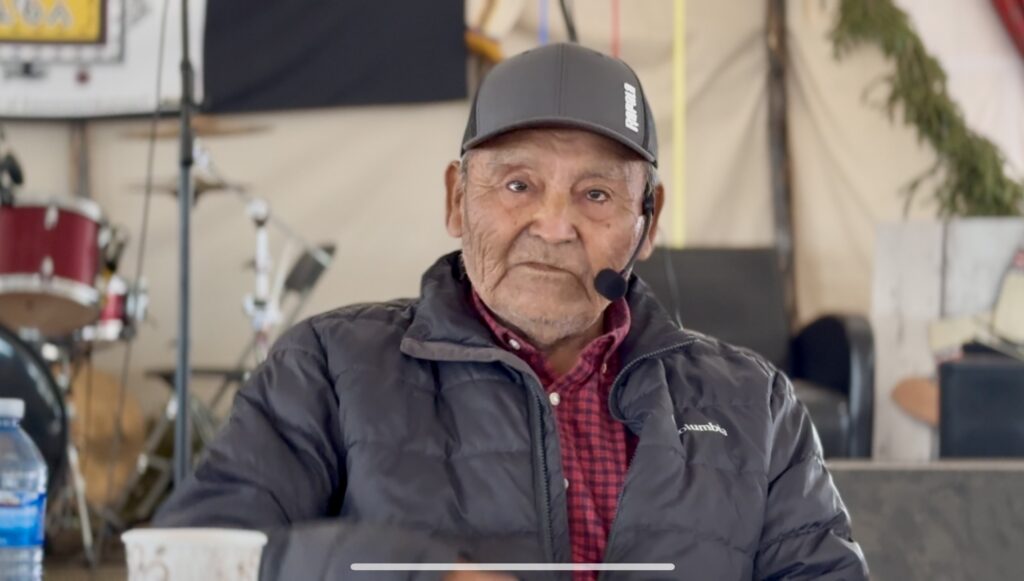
x=732 y=294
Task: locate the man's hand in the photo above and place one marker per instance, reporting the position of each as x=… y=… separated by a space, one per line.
x=477 y=576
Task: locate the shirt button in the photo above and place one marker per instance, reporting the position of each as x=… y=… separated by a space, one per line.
x=514 y=344
x=565 y=481
x=554 y=398
x=604 y=368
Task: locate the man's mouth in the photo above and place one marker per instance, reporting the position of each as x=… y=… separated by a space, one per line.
x=542 y=267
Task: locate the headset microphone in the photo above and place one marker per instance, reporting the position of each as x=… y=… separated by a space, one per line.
x=611 y=284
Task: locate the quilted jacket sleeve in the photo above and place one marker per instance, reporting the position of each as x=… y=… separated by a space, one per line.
x=806 y=532
x=279 y=466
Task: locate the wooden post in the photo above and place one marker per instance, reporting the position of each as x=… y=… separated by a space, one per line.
x=80 y=179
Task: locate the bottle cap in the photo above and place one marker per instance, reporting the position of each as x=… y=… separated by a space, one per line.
x=12 y=408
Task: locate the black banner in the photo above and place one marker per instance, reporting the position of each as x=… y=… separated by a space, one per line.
x=265 y=55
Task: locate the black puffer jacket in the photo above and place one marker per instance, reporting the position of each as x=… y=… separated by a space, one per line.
x=400 y=432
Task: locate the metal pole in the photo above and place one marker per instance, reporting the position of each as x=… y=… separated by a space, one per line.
x=182 y=441
x=778 y=144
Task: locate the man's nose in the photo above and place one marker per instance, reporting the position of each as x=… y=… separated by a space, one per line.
x=553 y=220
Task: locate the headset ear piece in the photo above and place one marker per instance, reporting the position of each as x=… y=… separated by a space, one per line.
x=648 y=201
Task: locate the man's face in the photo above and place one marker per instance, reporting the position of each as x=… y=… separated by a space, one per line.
x=540 y=212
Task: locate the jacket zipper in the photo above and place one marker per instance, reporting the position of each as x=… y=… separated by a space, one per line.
x=550 y=545
x=629 y=462
x=541 y=453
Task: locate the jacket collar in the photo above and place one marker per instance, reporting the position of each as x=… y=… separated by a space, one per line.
x=445 y=326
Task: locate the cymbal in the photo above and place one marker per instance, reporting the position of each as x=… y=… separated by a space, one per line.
x=202 y=125
x=203 y=185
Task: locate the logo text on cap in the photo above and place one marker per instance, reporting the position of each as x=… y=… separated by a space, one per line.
x=632 y=119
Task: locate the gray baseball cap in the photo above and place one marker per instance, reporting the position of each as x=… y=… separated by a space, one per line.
x=564 y=85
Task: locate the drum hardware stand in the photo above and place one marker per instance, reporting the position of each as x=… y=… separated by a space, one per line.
x=149 y=458
x=74 y=488
x=300 y=281
x=261 y=306
x=77 y=483
x=304 y=275
x=204 y=163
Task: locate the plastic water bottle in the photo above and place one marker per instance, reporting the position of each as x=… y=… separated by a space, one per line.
x=22 y=498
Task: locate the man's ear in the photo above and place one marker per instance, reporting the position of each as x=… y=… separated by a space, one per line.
x=454 y=199
x=659 y=203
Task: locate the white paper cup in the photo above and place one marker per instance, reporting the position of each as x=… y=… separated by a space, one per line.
x=184 y=554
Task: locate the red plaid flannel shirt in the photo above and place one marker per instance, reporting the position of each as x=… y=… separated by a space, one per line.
x=594 y=446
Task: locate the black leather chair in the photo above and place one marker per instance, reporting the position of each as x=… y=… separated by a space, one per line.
x=736 y=295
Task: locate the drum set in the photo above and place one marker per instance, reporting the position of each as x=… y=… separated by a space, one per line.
x=63 y=297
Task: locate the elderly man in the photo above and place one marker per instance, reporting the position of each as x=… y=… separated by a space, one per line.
x=534 y=404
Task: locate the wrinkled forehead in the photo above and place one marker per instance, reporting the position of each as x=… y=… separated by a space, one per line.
x=538 y=147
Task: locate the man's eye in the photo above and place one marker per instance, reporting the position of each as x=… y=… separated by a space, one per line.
x=597 y=196
x=516 y=186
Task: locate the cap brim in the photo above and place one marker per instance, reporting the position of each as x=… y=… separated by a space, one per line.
x=569 y=122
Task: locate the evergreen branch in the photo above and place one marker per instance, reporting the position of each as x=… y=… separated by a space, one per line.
x=973 y=178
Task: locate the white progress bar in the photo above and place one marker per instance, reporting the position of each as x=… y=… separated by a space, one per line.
x=513 y=567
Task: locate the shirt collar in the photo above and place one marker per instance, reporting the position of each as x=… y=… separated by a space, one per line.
x=616 y=327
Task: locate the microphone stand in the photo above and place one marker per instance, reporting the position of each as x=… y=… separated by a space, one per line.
x=182 y=439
